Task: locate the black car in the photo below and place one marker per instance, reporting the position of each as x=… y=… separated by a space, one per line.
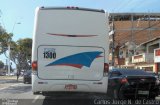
x=157 y=75
x=27 y=76
x=132 y=84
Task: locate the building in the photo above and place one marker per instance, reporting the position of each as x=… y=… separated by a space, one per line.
x=157 y=60
x=133 y=38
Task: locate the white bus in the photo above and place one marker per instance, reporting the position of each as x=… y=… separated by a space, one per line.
x=70 y=50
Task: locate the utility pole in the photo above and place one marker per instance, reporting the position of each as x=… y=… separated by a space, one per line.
x=9 y=48
x=113 y=41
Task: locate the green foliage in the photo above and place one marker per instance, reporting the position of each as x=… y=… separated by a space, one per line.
x=5 y=38
x=21 y=53
x=1 y=64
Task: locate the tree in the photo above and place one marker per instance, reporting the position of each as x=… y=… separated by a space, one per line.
x=5 y=38
x=21 y=53
x=1 y=64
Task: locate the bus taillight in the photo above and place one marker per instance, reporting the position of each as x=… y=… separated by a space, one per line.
x=34 y=65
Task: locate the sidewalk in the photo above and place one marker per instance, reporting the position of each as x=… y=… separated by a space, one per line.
x=10 y=78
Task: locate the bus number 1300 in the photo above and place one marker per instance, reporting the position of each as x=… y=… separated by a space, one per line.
x=49 y=55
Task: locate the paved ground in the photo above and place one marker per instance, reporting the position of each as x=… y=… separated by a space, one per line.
x=21 y=94
x=17 y=93
x=6 y=81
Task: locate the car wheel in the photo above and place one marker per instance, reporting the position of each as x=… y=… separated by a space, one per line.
x=120 y=93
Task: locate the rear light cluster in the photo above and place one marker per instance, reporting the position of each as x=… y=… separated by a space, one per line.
x=106 y=67
x=34 y=65
x=124 y=81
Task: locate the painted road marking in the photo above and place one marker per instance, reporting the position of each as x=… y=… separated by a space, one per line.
x=35 y=99
x=10 y=86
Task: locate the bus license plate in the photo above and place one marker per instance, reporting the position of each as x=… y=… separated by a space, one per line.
x=70 y=87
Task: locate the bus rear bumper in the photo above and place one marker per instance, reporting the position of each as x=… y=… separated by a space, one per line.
x=40 y=86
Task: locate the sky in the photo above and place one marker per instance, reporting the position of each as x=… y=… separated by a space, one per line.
x=17 y=16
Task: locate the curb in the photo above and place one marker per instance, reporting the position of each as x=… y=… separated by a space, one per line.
x=9 y=77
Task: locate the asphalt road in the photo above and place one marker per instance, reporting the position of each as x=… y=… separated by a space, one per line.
x=20 y=94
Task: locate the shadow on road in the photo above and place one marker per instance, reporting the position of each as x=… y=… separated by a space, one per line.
x=73 y=100
x=64 y=101
x=14 y=81
x=94 y=100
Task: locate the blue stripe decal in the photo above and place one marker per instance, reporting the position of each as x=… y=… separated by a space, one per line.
x=81 y=59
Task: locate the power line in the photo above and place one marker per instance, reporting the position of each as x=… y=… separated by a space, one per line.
x=119 y=5
x=123 y=5
x=127 y=37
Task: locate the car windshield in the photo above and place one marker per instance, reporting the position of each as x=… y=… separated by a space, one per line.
x=133 y=72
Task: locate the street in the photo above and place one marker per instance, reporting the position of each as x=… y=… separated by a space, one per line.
x=18 y=93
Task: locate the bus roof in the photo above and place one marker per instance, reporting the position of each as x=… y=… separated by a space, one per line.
x=72 y=8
